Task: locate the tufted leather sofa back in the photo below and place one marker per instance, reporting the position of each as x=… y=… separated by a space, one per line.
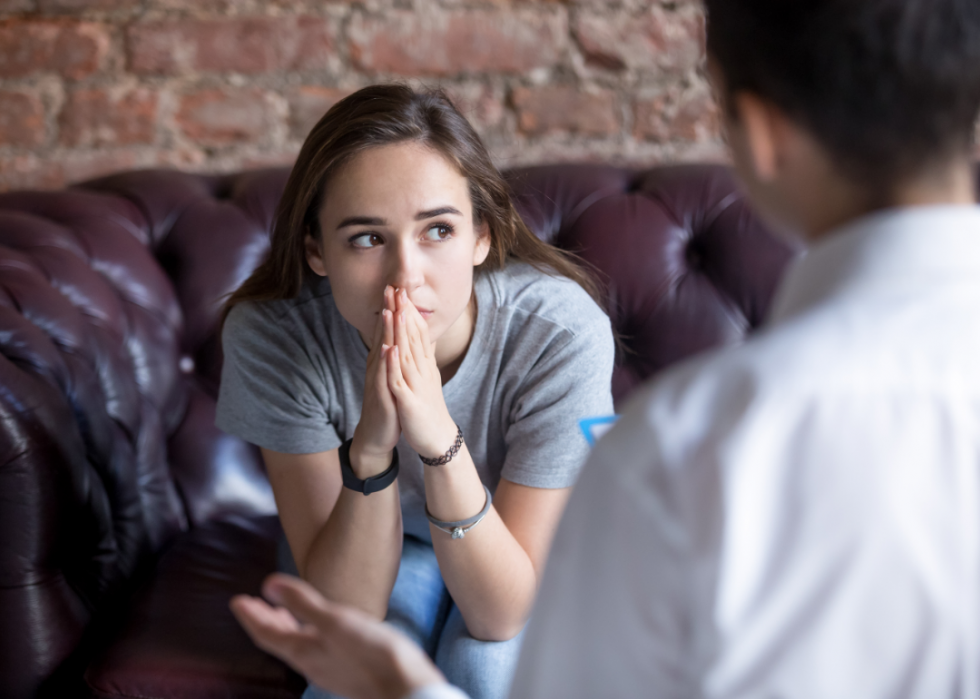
x=110 y=294
x=685 y=264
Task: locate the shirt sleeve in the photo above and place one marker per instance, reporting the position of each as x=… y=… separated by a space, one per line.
x=623 y=603
x=570 y=380
x=271 y=394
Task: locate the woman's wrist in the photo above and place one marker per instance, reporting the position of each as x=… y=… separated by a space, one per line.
x=440 y=441
x=366 y=463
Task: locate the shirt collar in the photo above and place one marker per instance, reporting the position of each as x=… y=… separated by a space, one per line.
x=919 y=246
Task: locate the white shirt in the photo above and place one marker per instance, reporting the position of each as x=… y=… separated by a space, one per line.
x=796 y=517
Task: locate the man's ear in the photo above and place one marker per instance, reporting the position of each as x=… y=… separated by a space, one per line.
x=483 y=242
x=765 y=130
x=314 y=255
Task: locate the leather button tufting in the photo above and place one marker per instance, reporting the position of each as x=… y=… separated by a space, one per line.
x=186 y=364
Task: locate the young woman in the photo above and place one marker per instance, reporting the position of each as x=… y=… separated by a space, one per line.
x=413 y=363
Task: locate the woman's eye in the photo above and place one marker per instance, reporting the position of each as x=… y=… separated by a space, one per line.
x=439 y=232
x=366 y=240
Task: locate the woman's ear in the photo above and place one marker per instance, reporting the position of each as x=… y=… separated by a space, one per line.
x=314 y=255
x=483 y=241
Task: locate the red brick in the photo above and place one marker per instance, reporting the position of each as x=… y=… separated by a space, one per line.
x=557 y=108
x=241 y=45
x=30 y=172
x=224 y=117
x=481 y=104
x=306 y=43
x=83 y=165
x=73 y=49
x=275 y=158
x=307 y=104
x=674 y=116
x=79 y=5
x=474 y=41
x=661 y=40
x=106 y=117
x=21 y=119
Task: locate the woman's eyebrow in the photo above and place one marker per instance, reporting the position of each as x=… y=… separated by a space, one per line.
x=432 y=213
x=361 y=221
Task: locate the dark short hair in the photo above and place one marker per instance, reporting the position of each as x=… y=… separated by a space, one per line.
x=888 y=87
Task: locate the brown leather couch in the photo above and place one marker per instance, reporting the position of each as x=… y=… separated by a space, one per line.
x=127 y=520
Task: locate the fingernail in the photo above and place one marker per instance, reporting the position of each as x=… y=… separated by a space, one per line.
x=401 y=317
x=404 y=295
x=273 y=594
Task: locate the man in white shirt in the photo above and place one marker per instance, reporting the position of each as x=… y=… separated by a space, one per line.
x=798 y=516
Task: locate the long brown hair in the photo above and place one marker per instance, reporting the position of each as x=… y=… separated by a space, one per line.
x=383 y=115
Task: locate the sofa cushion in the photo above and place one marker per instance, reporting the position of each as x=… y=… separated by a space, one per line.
x=179 y=638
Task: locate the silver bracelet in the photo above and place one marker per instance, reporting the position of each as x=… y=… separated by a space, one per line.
x=458 y=529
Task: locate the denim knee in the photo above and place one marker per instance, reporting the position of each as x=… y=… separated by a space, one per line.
x=482 y=669
x=419 y=602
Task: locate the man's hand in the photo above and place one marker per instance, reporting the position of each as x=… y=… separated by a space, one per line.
x=338 y=648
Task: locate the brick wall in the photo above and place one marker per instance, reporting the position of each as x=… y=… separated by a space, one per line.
x=93 y=86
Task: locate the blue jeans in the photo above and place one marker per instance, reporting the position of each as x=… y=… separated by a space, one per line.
x=420 y=606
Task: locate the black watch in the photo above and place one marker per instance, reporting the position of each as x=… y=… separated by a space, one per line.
x=368 y=485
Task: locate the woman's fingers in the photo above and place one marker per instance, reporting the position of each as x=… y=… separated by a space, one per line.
x=428 y=347
x=378 y=428
x=376 y=340
x=415 y=323
x=404 y=344
x=389 y=327
x=396 y=381
x=417 y=329
x=387 y=399
x=375 y=363
x=389 y=338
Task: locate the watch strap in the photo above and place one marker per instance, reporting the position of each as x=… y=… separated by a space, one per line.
x=367 y=485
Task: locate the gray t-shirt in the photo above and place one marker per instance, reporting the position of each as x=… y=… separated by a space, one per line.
x=541 y=359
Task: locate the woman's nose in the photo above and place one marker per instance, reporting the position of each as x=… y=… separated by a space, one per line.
x=406 y=268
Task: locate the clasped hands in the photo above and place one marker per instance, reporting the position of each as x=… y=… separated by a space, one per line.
x=402 y=390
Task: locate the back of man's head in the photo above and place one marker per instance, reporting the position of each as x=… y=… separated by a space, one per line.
x=887 y=87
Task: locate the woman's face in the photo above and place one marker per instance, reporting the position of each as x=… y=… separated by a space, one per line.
x=400 y=215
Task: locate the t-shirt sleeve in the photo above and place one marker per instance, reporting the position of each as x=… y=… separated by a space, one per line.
x=271 y=394
x=570 y=380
